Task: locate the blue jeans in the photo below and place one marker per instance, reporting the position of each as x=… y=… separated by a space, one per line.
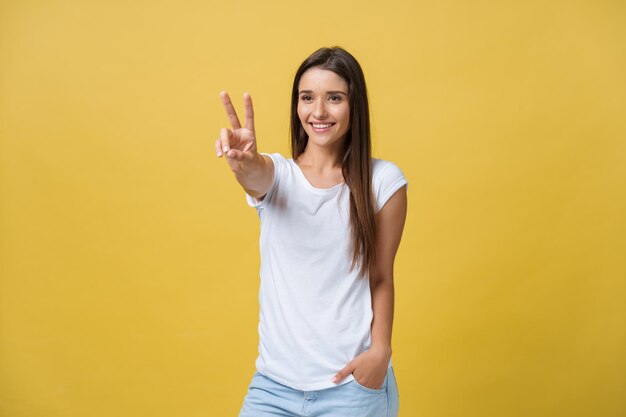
x=267 y=397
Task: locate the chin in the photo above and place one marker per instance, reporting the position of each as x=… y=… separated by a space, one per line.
x=323 y=142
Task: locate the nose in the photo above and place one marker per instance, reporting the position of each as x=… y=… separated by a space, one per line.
x=319 y=112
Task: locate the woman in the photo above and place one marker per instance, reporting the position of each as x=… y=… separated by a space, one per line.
x=331 y=222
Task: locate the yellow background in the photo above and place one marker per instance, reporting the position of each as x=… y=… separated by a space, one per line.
x=129 y=258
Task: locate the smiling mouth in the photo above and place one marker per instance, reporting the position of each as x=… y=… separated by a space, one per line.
x=321 y=127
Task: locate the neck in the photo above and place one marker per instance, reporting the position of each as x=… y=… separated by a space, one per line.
x=322 y=158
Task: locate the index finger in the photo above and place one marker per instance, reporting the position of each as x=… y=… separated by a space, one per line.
x=230 y=110
x=249 y=112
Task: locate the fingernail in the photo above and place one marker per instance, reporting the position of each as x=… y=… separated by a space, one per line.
x=225 y=148
x=334 y=379
x=219 y=154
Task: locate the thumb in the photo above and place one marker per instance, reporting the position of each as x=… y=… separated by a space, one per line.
x=240 y=156
x=347 y=370
x=235 y=154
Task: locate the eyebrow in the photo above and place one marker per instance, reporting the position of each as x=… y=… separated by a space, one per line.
x=328 y=92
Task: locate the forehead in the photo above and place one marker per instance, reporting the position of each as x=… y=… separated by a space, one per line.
x=320 y=80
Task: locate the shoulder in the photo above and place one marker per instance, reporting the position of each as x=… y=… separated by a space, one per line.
x=276 y=157
x=384 y=171
x=278 y=160
x=387 y=178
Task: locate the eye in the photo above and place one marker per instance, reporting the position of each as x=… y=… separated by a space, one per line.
x=305 y=97
x=335 y=98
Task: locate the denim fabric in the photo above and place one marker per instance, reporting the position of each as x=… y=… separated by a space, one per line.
x=267 y=397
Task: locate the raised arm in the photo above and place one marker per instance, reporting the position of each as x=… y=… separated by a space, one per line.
x=255 y=172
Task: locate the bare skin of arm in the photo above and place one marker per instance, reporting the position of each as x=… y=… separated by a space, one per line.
x=370 y=367
x=255 y=172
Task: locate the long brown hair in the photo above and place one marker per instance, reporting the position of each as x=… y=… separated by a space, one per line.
x=356 y=165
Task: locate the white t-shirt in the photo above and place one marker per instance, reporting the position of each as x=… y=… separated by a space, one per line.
x=315 y=315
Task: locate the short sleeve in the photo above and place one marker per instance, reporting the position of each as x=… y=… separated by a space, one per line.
x=278 y=161
x=387 y=178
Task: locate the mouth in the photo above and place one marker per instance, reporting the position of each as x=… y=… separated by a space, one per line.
x=321 y=127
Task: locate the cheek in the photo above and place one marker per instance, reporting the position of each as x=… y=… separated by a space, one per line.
x=345 y=117
x=301 y=115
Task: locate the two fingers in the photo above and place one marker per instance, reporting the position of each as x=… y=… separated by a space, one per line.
x=232 y=114
x=222 y=145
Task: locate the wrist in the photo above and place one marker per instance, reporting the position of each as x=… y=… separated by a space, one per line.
x=381 y=349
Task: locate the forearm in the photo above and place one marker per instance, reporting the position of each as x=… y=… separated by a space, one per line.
x=382 y=305
x=255 y=176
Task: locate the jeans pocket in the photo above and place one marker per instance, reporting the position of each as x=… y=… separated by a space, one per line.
x=371 y=390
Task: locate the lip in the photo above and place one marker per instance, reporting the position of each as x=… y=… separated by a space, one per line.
x=326 y=129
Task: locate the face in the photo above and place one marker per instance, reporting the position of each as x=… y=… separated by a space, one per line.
x=323 y=106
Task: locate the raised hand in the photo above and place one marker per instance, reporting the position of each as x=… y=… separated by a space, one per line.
x=239 y=144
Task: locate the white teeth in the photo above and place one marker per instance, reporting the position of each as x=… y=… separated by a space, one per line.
x=322 y=126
